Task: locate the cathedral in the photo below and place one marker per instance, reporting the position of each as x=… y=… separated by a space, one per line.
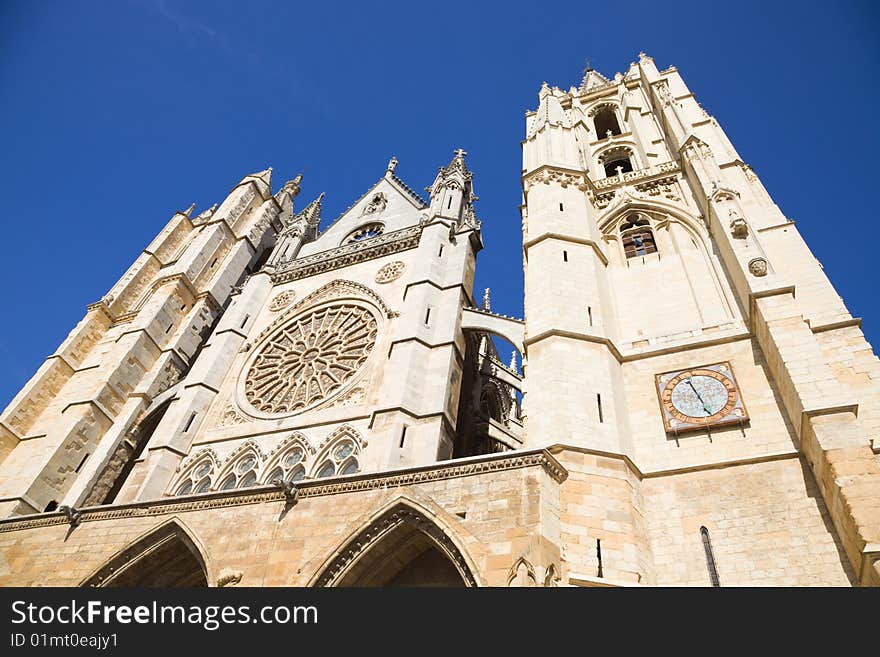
x=266 y=398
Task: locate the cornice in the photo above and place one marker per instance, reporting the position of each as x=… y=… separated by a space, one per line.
x=473 y=466
x=348 y=254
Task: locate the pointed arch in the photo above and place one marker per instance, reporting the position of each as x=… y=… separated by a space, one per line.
x=248 y=452
x=390 y=536
x=522 y=574
x=169 y=555
x=339 y=453
x=198 y=473
x=278 y=464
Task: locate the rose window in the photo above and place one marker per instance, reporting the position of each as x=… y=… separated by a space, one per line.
x=310 y=359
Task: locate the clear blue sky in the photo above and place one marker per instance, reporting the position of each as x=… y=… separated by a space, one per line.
x=116 y=114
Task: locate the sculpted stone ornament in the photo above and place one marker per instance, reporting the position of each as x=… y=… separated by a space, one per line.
x=376 y=204
x=758 y=267
x=310 y=359
x=738 y=226
x=390 y=272
x=229 y=577
x=282 y=300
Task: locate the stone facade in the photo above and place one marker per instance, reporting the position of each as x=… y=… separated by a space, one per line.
x=261 y=402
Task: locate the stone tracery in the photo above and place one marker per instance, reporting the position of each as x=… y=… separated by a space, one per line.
x=311 y=358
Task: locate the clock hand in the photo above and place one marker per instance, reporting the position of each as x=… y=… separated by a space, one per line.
x=705 y=408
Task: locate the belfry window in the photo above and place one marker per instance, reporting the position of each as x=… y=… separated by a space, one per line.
x=637 y=237
x=617 y=160
x=606 y=123
x=623 y=164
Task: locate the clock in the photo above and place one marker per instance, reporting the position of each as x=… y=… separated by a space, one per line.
x=699 y=398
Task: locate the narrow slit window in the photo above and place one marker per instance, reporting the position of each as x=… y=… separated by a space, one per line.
x=560 y=207
x=402 y=436
x=599 y=406
x=81 y=463
x=440 y=252
x=213 y=262
x=590 y=314
x=565 y=256
x=710 y=557
x=168 y=330
x=244 y=321
x=449 y=204
x=599 y=557
x=189 y=422
x=427 y=315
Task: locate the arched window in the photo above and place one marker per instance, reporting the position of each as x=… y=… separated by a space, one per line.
x=710 y=557
x=197 y=479
x=340 y=460
x=365 y=232
x=291 y=466
x=243 y=475
x=606 y=123
x=616 y=160
x=637 y=237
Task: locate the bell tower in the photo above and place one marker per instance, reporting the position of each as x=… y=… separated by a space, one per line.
x=674 y=317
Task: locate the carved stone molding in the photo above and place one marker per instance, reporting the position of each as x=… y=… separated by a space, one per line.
x=548 y=175
x=311 y=488
x=348 y=254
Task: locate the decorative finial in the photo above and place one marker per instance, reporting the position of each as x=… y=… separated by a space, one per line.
x=190 y=209
x=513 y=360
x=460 y=153
x=392 y=165
x=588 y=65
x=487 y=302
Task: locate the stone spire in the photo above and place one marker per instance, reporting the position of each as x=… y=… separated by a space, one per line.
x=487 y=301
x=311 y=214
x=513 y=360
x=452 y=192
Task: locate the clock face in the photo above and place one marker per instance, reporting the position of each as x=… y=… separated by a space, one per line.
x=700 y=397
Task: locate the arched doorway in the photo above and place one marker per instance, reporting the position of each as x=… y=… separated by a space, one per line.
x=166 y=557
x=403 y=548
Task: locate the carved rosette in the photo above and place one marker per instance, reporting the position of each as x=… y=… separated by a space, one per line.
x=310 y=359
x=390 y=272
x=758 y=267
x=281 y=300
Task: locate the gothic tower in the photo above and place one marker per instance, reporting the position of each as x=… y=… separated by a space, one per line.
x=675 y=317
